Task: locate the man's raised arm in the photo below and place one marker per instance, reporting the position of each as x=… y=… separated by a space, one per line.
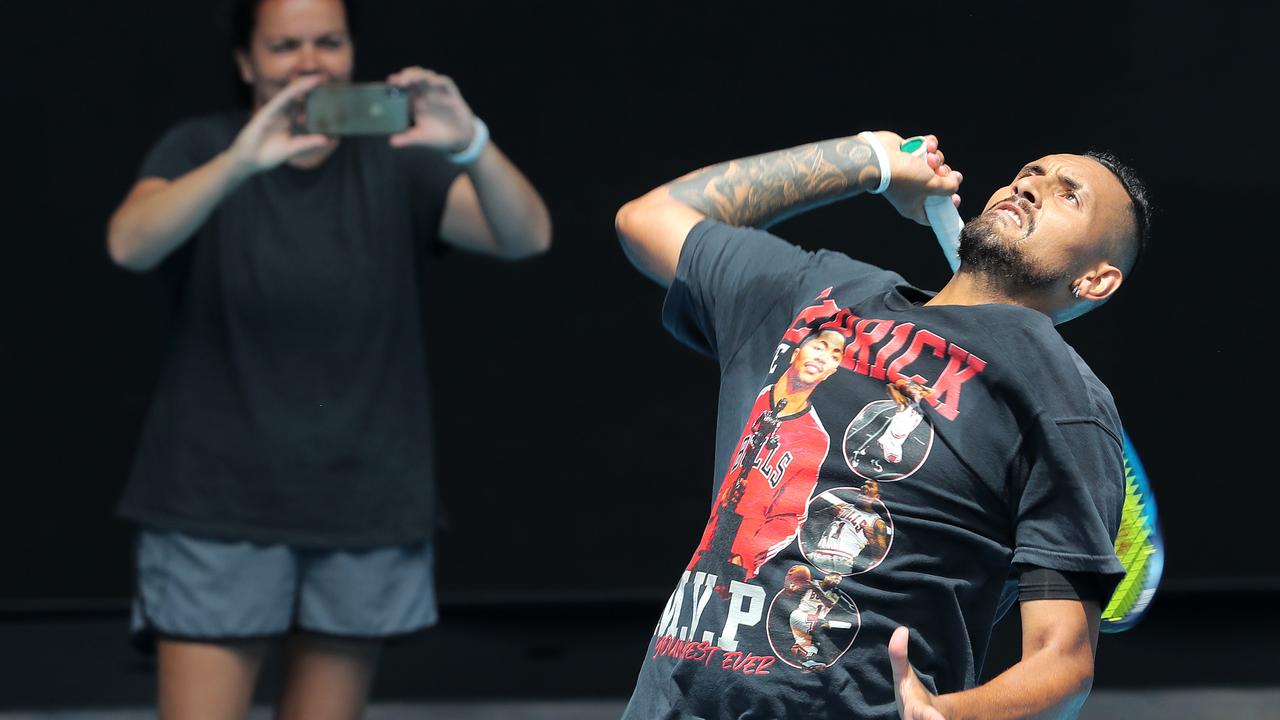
x=763 y=189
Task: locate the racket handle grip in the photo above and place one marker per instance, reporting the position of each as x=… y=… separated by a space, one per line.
x=943 y=217
x=946 y=224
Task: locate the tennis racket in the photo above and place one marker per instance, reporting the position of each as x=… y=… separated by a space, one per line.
x=1139 y=545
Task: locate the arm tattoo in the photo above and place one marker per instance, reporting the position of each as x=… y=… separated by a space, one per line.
x=764 y=189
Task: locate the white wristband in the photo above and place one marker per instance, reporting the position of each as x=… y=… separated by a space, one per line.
x=882 y=157
x=479 y=138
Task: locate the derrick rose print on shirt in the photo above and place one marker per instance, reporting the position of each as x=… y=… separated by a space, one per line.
x=888 y=439
x=795 y=519
x=811 y=622
x=896 y=346
x=848 y=530
x=763 y=497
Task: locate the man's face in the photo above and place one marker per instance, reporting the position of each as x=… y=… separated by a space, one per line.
x=818 y=357
x=293 y=38
x=1061 y=214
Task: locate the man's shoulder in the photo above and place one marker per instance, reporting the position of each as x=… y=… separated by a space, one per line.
x=837 y=260
x=755 y=241
x=1026 y=333
x=1099 y=395
x=833 y=268
x=1062 y=378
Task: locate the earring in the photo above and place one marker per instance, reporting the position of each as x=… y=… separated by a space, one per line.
x=1075 y=291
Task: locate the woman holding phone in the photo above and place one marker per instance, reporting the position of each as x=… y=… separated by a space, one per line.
x=283 y=484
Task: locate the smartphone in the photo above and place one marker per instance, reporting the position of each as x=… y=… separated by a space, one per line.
x=358 y=109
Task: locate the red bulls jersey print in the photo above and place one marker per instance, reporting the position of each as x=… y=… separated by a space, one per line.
x=773 y=475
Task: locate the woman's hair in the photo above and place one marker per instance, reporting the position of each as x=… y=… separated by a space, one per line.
x=242 y=17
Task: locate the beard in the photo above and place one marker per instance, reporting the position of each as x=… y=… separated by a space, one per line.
x=1000 y=260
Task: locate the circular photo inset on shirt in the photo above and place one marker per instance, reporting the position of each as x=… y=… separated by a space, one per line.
x=811 y=621
x=890 y=439
x=848 y=530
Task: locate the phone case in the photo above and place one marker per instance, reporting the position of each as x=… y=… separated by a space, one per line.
x=360 y=109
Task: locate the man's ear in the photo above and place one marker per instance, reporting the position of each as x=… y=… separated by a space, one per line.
x=1100 y=283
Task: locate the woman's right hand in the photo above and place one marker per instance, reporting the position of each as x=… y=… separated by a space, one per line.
x=268 y=140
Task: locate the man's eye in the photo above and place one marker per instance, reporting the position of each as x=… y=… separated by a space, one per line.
x=1073 y=198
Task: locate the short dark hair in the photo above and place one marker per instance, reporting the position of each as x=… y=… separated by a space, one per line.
x=1138 y=194
x=242 y=18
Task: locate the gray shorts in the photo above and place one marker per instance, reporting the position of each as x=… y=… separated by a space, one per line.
x=202 y=589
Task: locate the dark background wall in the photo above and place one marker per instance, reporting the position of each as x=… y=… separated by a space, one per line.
x=576 y=462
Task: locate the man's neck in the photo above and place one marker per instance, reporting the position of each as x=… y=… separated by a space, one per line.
x=969 y=288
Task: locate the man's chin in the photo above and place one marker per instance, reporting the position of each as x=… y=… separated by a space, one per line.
x=984 y=246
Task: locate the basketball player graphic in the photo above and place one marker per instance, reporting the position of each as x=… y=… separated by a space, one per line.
x=811 y=623
x=889 y=439
x=848 y=530
x=764 y=495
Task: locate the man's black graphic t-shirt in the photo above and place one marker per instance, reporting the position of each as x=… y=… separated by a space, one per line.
x=879 y=463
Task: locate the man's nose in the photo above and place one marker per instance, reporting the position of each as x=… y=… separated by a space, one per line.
x=1028 y=189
